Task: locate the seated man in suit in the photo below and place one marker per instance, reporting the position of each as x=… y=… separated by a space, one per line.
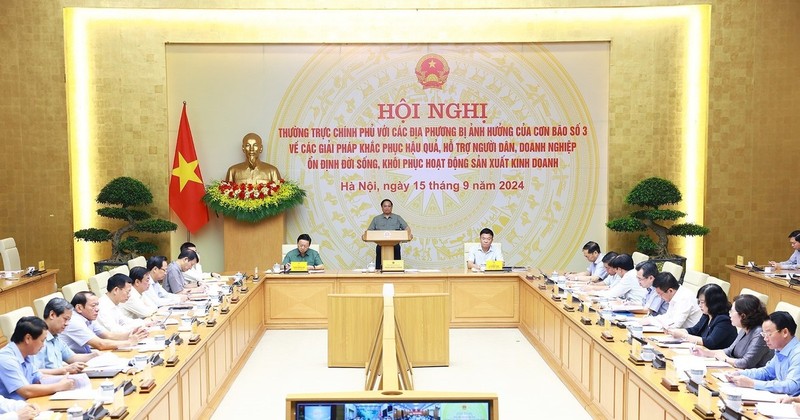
x=794 y=242
x=139 y=305
x=627 y=287
x=19 y=378
x=682 y=310
x=782 y=373
x=156 y=273
x=175 y=282
x=56 y=358
x=646 y=272
x=303 y=252
x=82 y=333
x=195 y=273
x=478 y=255
x=110 y=315
x=595 y=272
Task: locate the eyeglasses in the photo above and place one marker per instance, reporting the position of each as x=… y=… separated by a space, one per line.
x=768 y=334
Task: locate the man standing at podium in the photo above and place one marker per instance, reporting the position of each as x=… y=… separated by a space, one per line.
x=387 y=221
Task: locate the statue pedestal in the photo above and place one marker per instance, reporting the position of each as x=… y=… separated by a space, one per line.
x=250 y=245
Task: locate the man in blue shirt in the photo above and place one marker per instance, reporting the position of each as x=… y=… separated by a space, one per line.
x=19 y=378
x=303 y=252
x=51 y=359
x=646 y=272
x=781 y=375
x=595 y=271
x=794 y=242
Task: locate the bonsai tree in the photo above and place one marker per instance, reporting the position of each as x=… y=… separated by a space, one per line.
x=653 y=193
x=120 y=195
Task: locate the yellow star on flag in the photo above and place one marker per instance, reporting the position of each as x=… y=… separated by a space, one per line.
x=186 y=171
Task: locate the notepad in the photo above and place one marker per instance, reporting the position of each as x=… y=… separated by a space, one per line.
x=750 y=394
x=777 y=410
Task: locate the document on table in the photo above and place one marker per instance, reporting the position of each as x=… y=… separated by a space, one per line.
x=777 y=410
x=82 y=391
x=107 y=360
x=81 y=380
x=626 y=307
x=664 y=340
x=750 y=394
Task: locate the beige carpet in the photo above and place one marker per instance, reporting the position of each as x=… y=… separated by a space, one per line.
x=481 y=360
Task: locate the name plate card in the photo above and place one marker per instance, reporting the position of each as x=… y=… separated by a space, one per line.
x=299 y=266
x=495 y=265
x=393 y=265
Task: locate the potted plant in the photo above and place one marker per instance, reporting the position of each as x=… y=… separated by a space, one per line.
x=652 y=193
x=120 y=195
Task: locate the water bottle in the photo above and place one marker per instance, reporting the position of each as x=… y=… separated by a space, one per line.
x=107 y=392
x=75 y=413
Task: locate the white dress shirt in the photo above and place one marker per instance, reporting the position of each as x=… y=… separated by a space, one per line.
x=159 y=296
x=478 y=257
x=627 y=288
x=195 y=274
x=9 y=408
x=110 y=317
x=138 y=306
x=683 y=311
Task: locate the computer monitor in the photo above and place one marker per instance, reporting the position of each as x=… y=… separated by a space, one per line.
x=407 y=404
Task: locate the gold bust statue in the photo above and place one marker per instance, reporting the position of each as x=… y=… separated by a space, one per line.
x=253 y=170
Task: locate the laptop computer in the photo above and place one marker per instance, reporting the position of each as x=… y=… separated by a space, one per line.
x=102 y=373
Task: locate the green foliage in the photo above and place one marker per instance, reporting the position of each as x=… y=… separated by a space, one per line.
x=93 y=235
x=658 y=214
x=688 y=229
x=646 y=245
x=121 y=213
x=156 y=226
x=626 y=224
x=126 y=192
x=654 y=192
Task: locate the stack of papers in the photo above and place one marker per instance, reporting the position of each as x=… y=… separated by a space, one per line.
x=107 y=360
x=777 y=410
x=750 y=394
x=82 y=391
x=626 y=307
x=664 y=340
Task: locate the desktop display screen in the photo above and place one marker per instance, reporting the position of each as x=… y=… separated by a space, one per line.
x=427 y=410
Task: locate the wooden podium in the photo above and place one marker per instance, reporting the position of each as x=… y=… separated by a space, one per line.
x=250 y=245
x=387 y=239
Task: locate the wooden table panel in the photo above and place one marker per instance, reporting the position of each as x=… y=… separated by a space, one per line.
x=485 y=301
x=353 y=322
x=297 y=302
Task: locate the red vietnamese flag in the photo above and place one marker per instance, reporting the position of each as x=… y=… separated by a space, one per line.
x=186 y=187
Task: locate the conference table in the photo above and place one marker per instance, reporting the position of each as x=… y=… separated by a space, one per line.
x=20 y=291
x=778 y=289
x=597 y=372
